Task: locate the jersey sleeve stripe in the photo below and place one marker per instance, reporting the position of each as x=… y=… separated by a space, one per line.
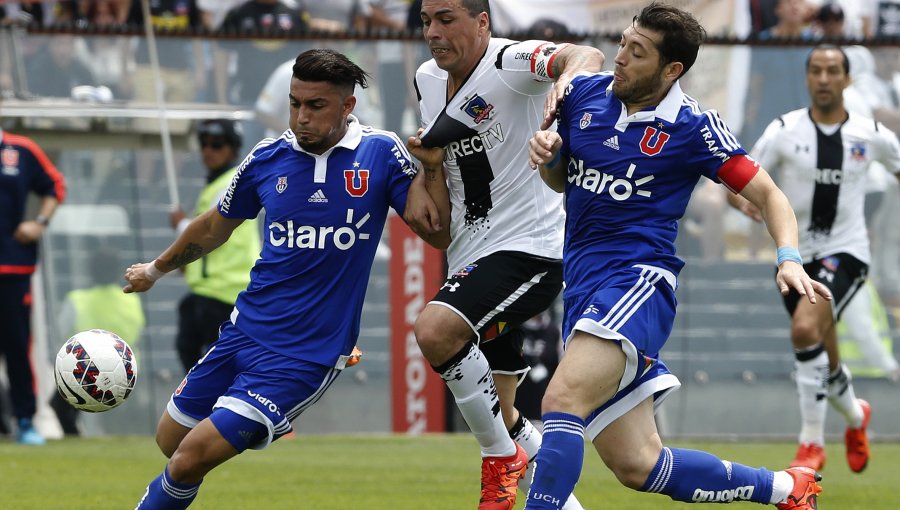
x=724 y=136
x=728 y=140
x=692 y=104
x=396 y=139
x=59 y=184
x=499 y=62
x=397 y=143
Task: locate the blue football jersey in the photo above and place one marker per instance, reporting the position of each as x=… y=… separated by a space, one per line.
x=324 y=218
x=630 y=177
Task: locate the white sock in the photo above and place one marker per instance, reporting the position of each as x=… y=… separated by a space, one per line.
x=843 y=398
x=782 y=485
x=470 y=380
x=530 y=439
x=812 y=378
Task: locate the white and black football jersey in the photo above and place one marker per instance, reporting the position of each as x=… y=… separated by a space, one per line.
x=822 y=170
x=498 y=202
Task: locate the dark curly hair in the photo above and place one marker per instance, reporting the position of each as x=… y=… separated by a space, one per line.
x=682 y=33
x=329 y=66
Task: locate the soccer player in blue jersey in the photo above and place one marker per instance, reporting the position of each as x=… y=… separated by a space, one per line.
x=629 y=150
x=326 y=185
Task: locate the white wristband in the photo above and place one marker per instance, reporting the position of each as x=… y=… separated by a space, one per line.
x=152 y=273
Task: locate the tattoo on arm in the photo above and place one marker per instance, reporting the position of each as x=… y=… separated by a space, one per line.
x=431 y=174
x=191 y=253
x=573 y=61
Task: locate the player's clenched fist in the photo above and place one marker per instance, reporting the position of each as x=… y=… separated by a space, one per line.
x=542 y=148
x=141 y=277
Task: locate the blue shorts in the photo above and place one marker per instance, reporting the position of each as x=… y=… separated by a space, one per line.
x=241 y=375
x=634 y=307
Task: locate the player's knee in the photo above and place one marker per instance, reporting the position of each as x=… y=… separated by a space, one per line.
x=433 y=338
x=631 y=470
x=184 y=467
x=805 y=333
x=558 y=399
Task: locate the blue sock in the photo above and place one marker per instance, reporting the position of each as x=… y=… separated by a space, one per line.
x=163 y=493
x=558 y=463
x=699 y=477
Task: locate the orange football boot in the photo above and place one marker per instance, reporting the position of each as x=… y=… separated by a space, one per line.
x=857 y=442
x=809 y=455
x=806 y=491
x=500 y=479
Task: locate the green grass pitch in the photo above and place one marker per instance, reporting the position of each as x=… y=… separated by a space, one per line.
x=434 y=472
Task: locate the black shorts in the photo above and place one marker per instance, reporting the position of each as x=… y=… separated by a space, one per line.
x=843 y=274
x=495 y=295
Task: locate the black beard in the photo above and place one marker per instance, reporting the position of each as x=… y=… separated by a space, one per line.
x=640 y=91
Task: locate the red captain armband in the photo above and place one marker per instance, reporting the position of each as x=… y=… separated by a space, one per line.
x=737 y=172
x=542 y=60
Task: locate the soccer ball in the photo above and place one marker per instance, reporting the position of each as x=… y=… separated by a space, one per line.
x=95 y=370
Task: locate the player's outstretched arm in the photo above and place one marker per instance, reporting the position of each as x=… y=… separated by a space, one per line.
x=544 y=156
x=571 y=60
x=204 y=234
x=743 y=205
x=779 y=218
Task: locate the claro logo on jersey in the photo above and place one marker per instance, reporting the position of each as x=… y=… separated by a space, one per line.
x=292 y=235
x=595 y=181
x=472 y=145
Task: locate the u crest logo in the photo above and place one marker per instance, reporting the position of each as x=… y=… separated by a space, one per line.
x=351 y=179
x=657 y=144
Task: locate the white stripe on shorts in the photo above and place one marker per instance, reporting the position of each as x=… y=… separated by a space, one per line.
x=303 y=406
x=631 y=301
x=510 y=299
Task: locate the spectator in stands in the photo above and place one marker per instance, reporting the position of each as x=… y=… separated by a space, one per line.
x=110 y=58
x=396 y=61
x=24 y=13
x=859 y=16
x=217 y=278
x=103 y=13
x=887 y=18
x=213 y=12
x=256 y=58
x=56 y=69
x=181 y=68
x=829 y=23
x=26 y=171
x=101 y=305
x=768 y=92
x=793 y=21
x=413 y=18
x=762 y=15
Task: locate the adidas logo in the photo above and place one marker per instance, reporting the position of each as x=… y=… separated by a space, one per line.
x=318 y=196
x=612 y=142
